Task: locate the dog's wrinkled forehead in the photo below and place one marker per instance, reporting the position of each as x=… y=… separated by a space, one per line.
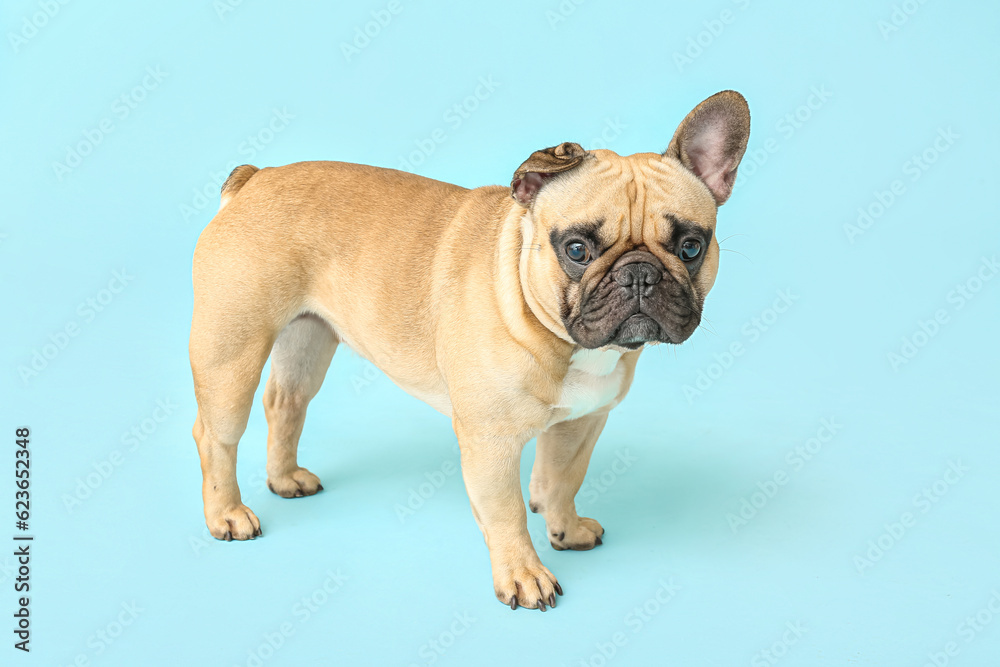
x=628 y=200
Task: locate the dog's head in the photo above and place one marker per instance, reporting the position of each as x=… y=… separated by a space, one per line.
x=621 y=250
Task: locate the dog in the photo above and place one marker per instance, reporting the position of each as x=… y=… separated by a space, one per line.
x=520 y=312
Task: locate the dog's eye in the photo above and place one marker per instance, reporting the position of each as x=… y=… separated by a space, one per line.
x=690 y=250
x=578 y=252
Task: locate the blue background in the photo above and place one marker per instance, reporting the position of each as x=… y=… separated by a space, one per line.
x=847 y=551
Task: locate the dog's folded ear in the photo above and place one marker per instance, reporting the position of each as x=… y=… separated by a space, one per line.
x=540 y=167
x=711 y=141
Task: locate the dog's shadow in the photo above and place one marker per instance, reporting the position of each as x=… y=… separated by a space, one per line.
x=667 y=493
x=667 y=496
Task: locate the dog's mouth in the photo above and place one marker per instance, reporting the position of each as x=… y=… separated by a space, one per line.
x=636 y=331
x=654 y=321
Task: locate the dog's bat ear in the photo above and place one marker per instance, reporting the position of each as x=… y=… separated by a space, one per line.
x=711 y=141
x=540 y=167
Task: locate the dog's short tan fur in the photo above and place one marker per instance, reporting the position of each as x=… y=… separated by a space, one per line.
x=457 y=296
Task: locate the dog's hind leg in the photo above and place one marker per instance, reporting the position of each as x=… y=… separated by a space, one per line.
x=227 y=356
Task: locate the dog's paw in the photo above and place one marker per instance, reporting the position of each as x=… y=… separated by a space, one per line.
x=296 y=484
x=235 y=523
x=580 y=534
x=526 y=585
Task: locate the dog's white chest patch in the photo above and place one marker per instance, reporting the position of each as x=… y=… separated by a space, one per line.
x=592 y=382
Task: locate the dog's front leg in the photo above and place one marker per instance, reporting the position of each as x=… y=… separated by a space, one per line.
x=491 y=467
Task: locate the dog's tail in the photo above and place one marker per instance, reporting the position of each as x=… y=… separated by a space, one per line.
x=237 y=179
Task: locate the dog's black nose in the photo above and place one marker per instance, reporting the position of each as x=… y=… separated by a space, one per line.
x=638 y=273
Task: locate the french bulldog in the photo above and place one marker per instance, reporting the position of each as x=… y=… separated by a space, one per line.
x=520 y=312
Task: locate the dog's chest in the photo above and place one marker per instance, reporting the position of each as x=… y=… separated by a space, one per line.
x=593 y=382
